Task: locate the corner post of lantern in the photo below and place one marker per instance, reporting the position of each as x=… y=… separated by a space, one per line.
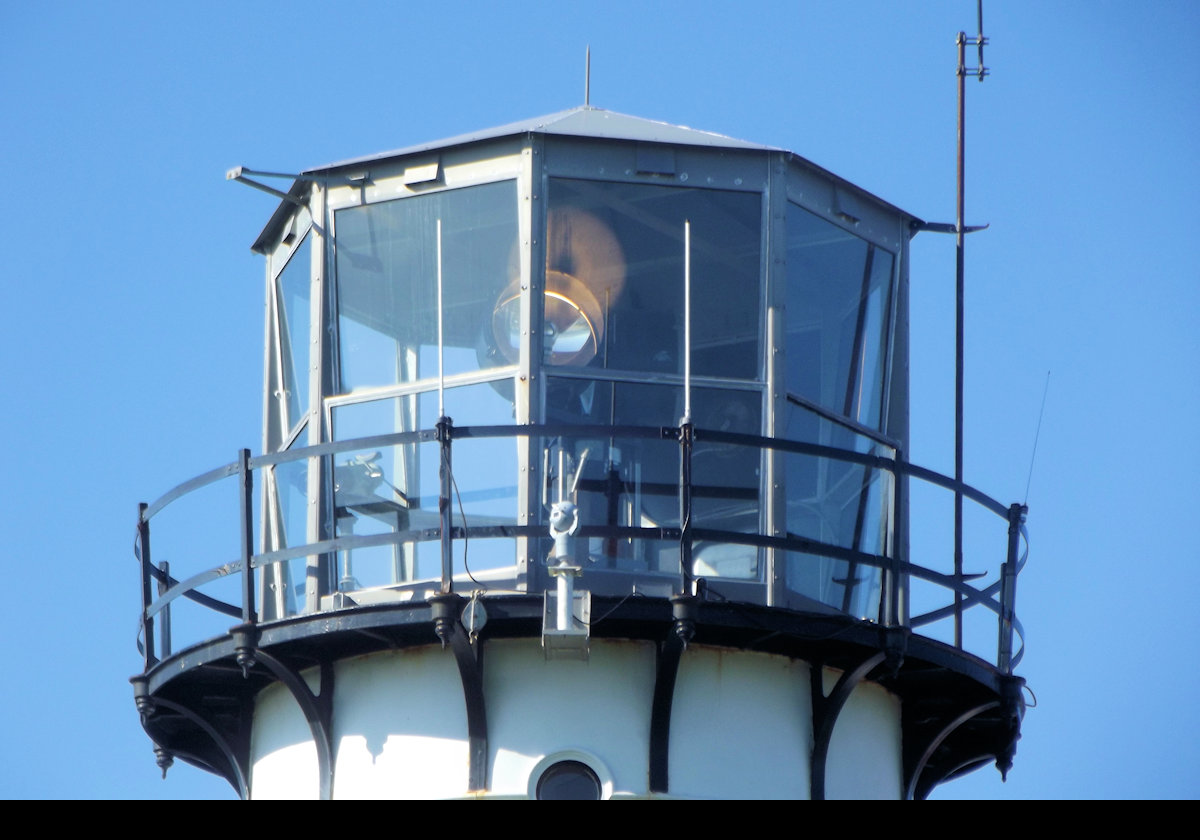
x=531 y=190
x=774 y=285
x=321 y=570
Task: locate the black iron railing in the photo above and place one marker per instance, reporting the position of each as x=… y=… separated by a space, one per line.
x=160 y=589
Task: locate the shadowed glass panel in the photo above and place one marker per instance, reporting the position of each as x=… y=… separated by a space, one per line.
x=615 y=278
x=838 y=312
x=837 y=503
x=634 y=482
x=391 y=489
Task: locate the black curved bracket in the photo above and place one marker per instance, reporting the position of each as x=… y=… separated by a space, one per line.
x=684 y=612
x=826 y=709
x=1011 y=707
x=913 y=789
x=238 y=772
x=446 y=611
x=317 y=709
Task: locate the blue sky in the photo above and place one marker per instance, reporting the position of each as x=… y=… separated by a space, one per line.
x=133 y=307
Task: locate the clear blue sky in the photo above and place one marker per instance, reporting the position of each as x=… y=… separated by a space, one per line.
x=131 y=355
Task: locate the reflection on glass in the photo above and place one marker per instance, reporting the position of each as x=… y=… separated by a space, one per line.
x=585 y=272
x=841 y=504
x=395 y=489
x=614 y=278
x=387 y=269
x=634 y=482
x=294 y=319
x=838 y=310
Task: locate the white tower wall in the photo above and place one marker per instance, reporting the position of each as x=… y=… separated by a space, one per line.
x=741 y=726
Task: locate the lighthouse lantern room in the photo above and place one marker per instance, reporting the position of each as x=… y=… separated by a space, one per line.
x=584 y=474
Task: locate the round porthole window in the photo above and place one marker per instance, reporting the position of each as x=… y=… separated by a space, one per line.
x=569 y=780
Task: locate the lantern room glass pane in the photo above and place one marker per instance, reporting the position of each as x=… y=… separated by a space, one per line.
x=615 y=278
x=387 y=282
x=395 y=489
x=627 y=481
x=841 y=504
x=838 y=312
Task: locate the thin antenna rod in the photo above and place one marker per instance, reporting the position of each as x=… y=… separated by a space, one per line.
x=687 y=321
x=960 y=269
x=1037 y=434
x=980 y=41
x=587 y=77
x=441 y=342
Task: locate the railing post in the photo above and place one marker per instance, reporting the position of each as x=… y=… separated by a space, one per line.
x=147 y=598
x=1008 y=587
x=687 y=437
x=892 y=616
x=246 y=510
x=444 y=432
x=165 y=612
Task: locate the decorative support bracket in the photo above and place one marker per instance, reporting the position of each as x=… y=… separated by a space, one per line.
x=913 y=789
x=685 y=610
x=826 y=710
x=317 y=708
x=449 y=629
x=237 y=771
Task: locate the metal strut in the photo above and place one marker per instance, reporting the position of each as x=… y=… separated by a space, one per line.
x=960 y=267
x=826 y=709
x=446 y=610
x=317 y=708
x=685 y=610
x=238 y=772
x=913 y=789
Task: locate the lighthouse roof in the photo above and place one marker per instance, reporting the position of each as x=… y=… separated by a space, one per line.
x=584 y=121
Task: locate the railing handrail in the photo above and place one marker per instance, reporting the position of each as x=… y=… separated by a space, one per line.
x=971 y=596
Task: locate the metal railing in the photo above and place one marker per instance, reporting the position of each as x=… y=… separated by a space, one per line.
x=160 y=590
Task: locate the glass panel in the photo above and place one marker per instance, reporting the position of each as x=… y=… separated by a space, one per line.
x=840 y=504
x=650 y=565
x=634 y=482
x=387 y=259
x=726 y=560
x=294 y=285
x=838 y=305
x=615 y=277
x=397 y=488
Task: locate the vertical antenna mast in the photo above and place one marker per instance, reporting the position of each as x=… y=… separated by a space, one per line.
x=687 y=321
x=587 y=77
x=441 y=342
x=960 y=231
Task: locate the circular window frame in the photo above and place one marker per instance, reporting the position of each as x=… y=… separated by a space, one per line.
x=587 y=759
